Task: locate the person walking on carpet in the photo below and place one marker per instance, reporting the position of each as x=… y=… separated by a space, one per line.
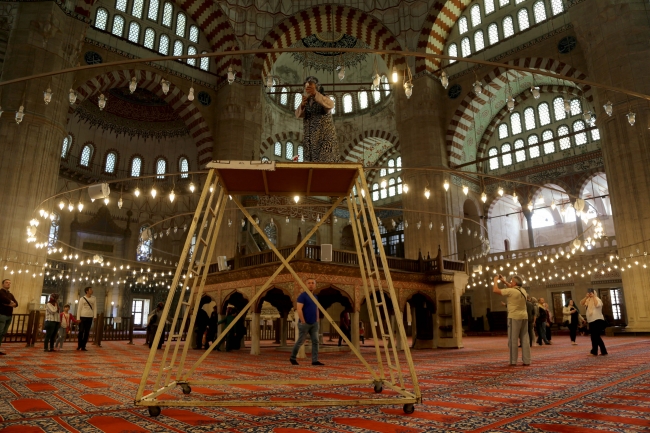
x=152 y=325
x=7 y=305
x=572 y=319
x=308 y=324
x=530 y=310
x=517 y=317
x=67 y=320
x=549 y=322
x=87 y=313
x=596 y=321
x=345 y=323
x=52 y=321
x=540 y=323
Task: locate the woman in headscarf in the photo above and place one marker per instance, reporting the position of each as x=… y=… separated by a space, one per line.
x=572 y=316
x=52 y=321
x=320 y=143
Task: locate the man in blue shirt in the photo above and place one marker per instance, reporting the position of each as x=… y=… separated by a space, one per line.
x=308 y=324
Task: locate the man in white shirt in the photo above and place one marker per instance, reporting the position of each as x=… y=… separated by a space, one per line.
x=517 y=317
x=87 y=311
x=596 y=321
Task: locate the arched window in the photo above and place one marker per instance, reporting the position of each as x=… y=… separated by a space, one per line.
x=301 y=154
x=161 y=168
x=363 y=99
x=595 y=134
x=347 y=103
x=184 y=167
x=544 y=114
x=376 y=96
x=271 y=232
x=153 y=10
x=168 y=9
x=297 y=100
x=194 y=34
x=539 y=10
x=475 y=14
x=557 y=7
x=383 y=193
x=136 y=10
x=134 y=32
x=580 y=137
x=163 y=45
x=118 y=25
x=542 y=218
x=506 y=245
x=533 y=150
x=503 y=131
x=503 y=3
x=111 y=162
x=391 y=187
x=565 y=140
x=508 y=27
x=136 y=166
x=399 y=163
x=506 y=158
x=558 y=108
x=462 y=25
x=576 y=107
x=391 y=166
x=284 y=96
x=205 y=62
x=515 y=123
x=479 y=40
x=289 y=150
x=333 y=99
x=375 y=191
x=529 y=118
x=489 y=6
x=494 y=159
x=191 y=51
x=465 y=47
x=385 y=85
x=180 y=24
x=67 y=143
x=120 y=5
x=53 y=238
x=86 y=155
x=149 y=38
x=549 y=144
x=382 y=172
x=178 y=48
x=520 y=155
x=452 y=51
x=493 y=33
x=101 y=18
x=144 y=247
x=277 y=150
x=523 y=20
x=399 y=185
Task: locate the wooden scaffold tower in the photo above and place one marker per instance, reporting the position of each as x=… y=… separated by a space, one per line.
x=238 y=178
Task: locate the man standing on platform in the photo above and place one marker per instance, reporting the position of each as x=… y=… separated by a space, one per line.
x=7 y=305
x=87 y=312
x=517 y=317
x=308 y=324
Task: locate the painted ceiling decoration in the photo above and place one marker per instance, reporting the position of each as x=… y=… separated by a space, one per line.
x=329 y=61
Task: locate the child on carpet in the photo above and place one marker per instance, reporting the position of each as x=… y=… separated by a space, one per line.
x=67 y=320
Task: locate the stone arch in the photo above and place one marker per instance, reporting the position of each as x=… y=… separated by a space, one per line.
x=425 y=307
x=317 y=19
x=282 y=300
x=586 y=177
x=283 y=137
x=235 y=298
x=176 y=99
x=331 y=294
x=495 y=83
x=214 y=24
x=369 y=146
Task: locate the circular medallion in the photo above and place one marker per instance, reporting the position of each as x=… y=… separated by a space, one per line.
x=92 y=58
x=454 y=91
x=204 y=98
x=567 y=44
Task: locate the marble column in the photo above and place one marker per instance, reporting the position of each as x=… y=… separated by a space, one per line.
x=529 y=223
x=255 y=334
x=283 y=331
x=614 y=38
x=43 y=39
x=354 y=317
x=414 y=325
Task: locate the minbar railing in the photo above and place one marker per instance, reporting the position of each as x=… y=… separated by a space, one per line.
x=342 y=257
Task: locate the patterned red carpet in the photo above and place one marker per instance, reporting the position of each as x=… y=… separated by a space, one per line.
x=468 y=390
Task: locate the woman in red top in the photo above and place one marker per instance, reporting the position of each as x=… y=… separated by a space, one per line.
x=67 y=320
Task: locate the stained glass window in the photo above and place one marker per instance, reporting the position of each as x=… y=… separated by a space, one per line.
x=376 y=96
x=111 y=160
x=134 y=32
x=194 y=34
x=399 y=185
x=161 y=168
x=67 y=141
x=180 y=24
x=297 y=100
x=515 y=123
x=383 y=193
x=494 y=160
x=391 y=166
x=120 y=5
x=558 y=108
x=178 y=48
x=191 y=51
x=465 y=47
x=86 y=154
x=301 y=154
x=522 y=19
x=163 y=45
x=508 y=27
x=506 y=158
x=136 y=10
x=539 y=10
x=168 y=9
x=153 y=10
x=382 y=172
x=493 y=33
x=489 y=6
x=277 y=149
x=462 y=25
x=595 y=134
x=385 y=85
x=284 y=96
x=101 y=18
x=452 y=51
x=503 y=131
x=399 y=163
x=118 y=25
x=529 y=118
x=580 y=137
x=533 y=151
x=549 y=144
x=479 y=40
x=576 y=107
x=557 y=7
x=391 y=187
x=475 y=14
x=184 y=167
x=363 y=99
x=503 y=3
x=289 y=150
x=347 y=103
x=149 y=38
x=520 y=155
x=375 y=191
x=136 y=166
x=544 y=114
x=565 y=141
x=205 y=62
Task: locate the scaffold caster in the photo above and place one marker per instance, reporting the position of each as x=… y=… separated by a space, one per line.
x=378 y=388
x=409 y=408
x=186 y=388
x=154 y=410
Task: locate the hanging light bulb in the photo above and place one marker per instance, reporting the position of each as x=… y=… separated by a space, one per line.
x=47 y=96
x=500 y=191
x=342 y=73
x=243 y=222
x=478 y=87
x=335 y=219
x=172 y=196
x=419 y=224
x=510 y=102
x=72 y=96
x=376 y=79
x=190 y=94
x=165 y=86
x=483 y=197
x=395 y=77
x=444 y=79
x=515 y=198
x=20 y=114
x=231 y=75
x=567 y=105
x=102 y=102
x=296 y=199
x=153 y=192
x=465 y=189
x=405 y=188
x=631 y=118
x=530 y=206
x=446 y=185
x=80 y=206
x=70 y=207
x=383 y=184
x=133 y=85
x=191 y=187
x=408 y=89
x=535 y=91
x=286 y=220
x=61 y=205
x=553 y=205
x=137 y=192
x=427 y=193
x=442 y=227
x=406 y=224
x=120 y=202
x=302 y=218
x=106 y=200
x=609 y=108
x=229 y=222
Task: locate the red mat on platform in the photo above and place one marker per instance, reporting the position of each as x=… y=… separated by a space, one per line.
x=467 y=390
